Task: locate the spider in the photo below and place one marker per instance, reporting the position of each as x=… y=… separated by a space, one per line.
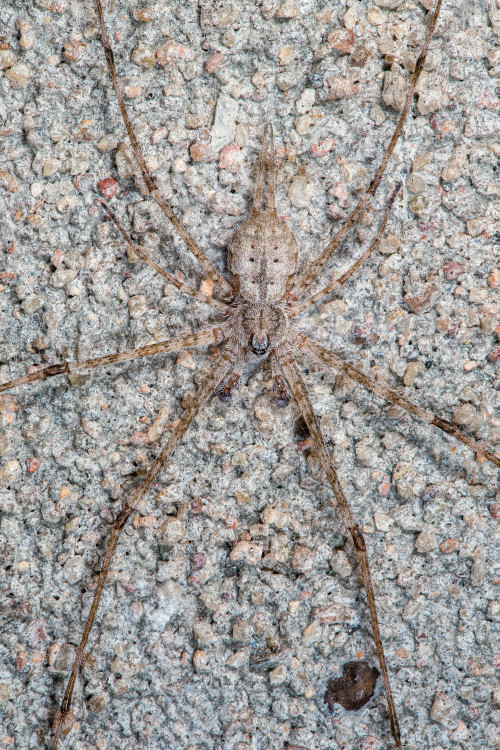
x=256 y=309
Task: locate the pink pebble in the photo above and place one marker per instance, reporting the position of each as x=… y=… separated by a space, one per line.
x=322 y=147
x=107 y=187
x=231 y=158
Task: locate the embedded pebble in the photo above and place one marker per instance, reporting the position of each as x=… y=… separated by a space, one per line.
x=466 y=415
x=340 y=564
x=494 y=278
x=278 y=676
x=452 y=270
x=74 y=569
x=342 y=39
x=200 y=660
x=442 y=708
x=231 y=158
x=278 y=515
x=107 y=187
x=97 y=703
x=171 y=531
x=340 y=87
x=322 y=147
x=32 y=303
x=288 y=9
x=366 y=453
x=390 y=244
x=223 y=129
x=424 y=301
x=306 y=101
x=201 y=151
x=203 y=632
x=5 y=692
x=425 y=542
x=301 y=191
x=144 y=56
x=416 y=183
x=169 y=52
x=448 y=546
x=10 y=471
x=383 y=522
x=7 y=58
x=312 y=634
x=242 y=631
x=74 y=50
x=249 y=552
x=50 y=167
x=19 y=74
x=302 y=559
x=413 y=369
x=137 y=306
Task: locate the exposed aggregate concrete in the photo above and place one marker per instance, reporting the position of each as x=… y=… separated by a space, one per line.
x=235 y=596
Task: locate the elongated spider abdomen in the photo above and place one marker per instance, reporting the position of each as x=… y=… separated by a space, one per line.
x=263 y=256
x=263 y=252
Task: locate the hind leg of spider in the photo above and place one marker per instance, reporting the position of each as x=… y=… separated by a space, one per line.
x=301 y=395
x=216 y=374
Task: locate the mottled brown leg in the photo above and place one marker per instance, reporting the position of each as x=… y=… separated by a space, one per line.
x=332 y=360
x=311 y=271
x=200 y=338
x=220 y=306
x=218 y=371
x=299 y=392
x=224 y=286
x=335 y=283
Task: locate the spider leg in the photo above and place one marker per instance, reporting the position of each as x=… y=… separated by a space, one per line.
x=332 y=360
x=220 y=306
x=301 y=395
x=232 y=383
x=310 y=273
x=336 y=283
x=200 y=338
x=216 y=374
x=280 y=388
x=200 y=256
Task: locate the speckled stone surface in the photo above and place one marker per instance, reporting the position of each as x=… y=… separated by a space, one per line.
x=197 y=648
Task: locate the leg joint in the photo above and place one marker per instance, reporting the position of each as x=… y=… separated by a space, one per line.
x=358 y=539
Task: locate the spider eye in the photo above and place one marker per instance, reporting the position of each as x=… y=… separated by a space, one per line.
x=276 y=260
x=251 y=260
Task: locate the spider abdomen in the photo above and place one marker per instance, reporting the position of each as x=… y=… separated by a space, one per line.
x=263 y=255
